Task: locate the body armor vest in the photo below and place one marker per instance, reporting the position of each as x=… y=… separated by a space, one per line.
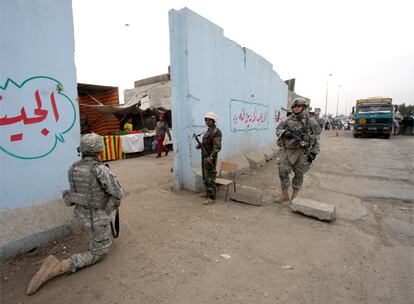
x=301 y=128
x=85 y=187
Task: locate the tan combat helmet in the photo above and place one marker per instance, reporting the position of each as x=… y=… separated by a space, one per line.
x=299 y=101
x=212 y=116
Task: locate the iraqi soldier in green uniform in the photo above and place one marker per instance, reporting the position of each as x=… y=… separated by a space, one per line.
x=212 y=145
x=95 y=192
x=298 y=138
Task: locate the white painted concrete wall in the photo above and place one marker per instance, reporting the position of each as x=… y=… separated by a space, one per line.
x=38 y=117
x=210 y=72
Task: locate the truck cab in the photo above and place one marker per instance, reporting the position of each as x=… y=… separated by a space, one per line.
x=373 y=116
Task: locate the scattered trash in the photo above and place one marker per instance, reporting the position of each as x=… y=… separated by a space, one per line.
x=287 y=267
x=225 y=256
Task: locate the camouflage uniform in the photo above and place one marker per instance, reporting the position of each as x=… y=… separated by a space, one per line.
x=292 y=155
x=96 y=221
x=212 y=143
x=95 y=192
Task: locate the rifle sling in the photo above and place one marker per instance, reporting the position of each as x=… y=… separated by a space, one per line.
x=115 y=228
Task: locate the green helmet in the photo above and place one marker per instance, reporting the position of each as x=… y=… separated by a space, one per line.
x=299 y=101
x=91 y=144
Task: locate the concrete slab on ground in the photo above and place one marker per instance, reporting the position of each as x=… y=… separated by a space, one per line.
x=320 y=210
x=256 y=159
x=248 y=195
x=347 y=207
x=274 y=147
x=268 y=152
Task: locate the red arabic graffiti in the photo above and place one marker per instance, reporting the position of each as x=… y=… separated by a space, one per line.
x=248 y=119
x=39 y=114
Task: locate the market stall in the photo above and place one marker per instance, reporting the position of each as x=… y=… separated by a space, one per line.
x=125 y=129
x=116 y=146
x=112 y=148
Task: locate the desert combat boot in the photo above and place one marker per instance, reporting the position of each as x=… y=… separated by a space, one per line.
x=51 y=267
x=284 y=196
x=209 y=201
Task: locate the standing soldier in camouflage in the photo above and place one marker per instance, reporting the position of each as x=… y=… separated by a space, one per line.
x=298 y=137
x=212 y=144
x=95 y=192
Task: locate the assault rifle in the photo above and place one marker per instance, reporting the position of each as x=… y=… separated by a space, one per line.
x=195 y=136
x=115 y=223
x=299 y=137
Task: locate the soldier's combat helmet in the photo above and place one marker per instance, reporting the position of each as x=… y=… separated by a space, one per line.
x=91 y=144
x=299 y=101
x=212 y=116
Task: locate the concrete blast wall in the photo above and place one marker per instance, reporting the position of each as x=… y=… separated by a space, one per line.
x=210 y=72
x=38 y=121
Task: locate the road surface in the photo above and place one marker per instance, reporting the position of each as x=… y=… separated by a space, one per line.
x=172 y=249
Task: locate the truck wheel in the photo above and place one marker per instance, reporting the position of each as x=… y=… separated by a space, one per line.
x=387 y=136
x=356 y=135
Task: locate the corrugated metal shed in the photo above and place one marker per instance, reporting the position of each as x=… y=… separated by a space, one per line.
x=92 y=120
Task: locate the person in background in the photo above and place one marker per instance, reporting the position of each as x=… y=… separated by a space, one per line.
x=161 y=128
x=128 y=125
x=396 y=123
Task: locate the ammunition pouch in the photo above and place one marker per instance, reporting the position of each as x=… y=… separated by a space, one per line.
x=67 y=198
x=72 y=198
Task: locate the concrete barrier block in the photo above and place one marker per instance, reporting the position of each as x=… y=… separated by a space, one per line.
x=322 y=211
x=268 y=152
x=274 y=147
x=243 y=166
x=256 y=159
x=248 y=195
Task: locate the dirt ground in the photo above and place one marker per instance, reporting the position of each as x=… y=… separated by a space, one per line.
x=171 y=246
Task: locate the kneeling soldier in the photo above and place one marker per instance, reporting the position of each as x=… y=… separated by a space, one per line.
x=95 y=192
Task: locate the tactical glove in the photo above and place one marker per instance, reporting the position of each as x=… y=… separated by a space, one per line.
x=311 y=157
x=288 y=135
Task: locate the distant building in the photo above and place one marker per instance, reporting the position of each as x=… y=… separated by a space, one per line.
x=292 y=94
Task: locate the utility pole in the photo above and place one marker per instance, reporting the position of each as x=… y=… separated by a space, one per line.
x=347 y=102
x=337 y=100
x=326 y=101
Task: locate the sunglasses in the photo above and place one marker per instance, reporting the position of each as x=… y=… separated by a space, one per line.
x=298 y=106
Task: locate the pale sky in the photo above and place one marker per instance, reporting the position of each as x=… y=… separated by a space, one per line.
x=367 y=45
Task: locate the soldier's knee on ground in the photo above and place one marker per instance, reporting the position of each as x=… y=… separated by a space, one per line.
x=83 y=259
x=101 y=248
